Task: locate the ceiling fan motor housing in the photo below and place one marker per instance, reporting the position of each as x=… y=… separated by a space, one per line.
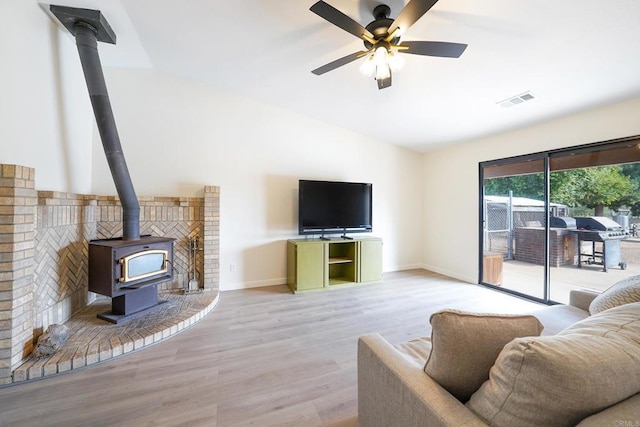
x=380 y=26
x=380 y=30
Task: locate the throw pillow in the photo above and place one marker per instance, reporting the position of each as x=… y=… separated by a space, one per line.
x=465 y=346
x=560 y=380
x=623 y=292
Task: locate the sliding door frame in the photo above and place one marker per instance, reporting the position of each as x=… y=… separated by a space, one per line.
x=546 y=156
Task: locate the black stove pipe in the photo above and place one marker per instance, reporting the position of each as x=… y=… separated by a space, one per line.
x=87 y=44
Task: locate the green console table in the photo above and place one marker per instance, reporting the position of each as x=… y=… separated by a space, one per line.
x=314 y=264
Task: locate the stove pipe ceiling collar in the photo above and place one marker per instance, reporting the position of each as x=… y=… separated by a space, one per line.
x=90 y=26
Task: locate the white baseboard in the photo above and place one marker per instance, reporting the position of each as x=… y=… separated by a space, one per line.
x=449 y=273
x=406 y=267
x=283 y=280
x=253 y=284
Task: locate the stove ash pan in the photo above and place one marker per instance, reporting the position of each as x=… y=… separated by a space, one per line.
x=118 y=267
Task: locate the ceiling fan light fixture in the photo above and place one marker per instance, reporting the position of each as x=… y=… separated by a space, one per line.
x=381 y=62
x=395 y=61
x=383 y=72
x=377 y=62
x=368 y=67
x=380 y=56
x=381 y=39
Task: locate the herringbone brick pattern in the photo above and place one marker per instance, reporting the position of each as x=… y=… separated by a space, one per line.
x=61 y=262
x=52 y=232
x=178 y=217
x=179 y=230
x=65 y=224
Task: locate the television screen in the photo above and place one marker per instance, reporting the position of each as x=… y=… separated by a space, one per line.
x=334 y=207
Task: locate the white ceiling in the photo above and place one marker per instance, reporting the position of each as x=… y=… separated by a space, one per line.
x=571 y=55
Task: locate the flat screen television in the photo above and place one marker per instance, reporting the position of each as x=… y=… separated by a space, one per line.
x=328 y=207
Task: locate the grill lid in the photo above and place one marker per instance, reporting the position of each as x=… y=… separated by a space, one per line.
x=597 y=223
x=562 y=222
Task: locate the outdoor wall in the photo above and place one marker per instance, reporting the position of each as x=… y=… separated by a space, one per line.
x=177 y=134
x=452 y=247
x=563 y=246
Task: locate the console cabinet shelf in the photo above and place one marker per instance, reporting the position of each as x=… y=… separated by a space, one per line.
x=314 y=264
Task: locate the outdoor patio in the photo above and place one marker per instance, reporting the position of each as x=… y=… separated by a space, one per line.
x=527 y=278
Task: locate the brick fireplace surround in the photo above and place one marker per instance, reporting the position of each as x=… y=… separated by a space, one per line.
x=44 y=239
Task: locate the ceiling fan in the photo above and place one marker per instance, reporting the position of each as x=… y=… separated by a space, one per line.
x=382 y=39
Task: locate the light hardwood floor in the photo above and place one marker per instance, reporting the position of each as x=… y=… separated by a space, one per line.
x=263 y=357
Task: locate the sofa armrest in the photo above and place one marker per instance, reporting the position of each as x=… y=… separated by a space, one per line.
x=395 y=391
x=625 y=413
x=581 y=298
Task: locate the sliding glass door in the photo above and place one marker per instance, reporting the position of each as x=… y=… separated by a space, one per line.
x=513 y=225
x=561 y=220
x=601 y=187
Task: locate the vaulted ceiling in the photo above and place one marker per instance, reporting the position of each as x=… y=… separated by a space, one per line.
x=570 y=55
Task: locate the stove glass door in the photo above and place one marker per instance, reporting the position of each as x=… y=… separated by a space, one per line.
x=143 y=264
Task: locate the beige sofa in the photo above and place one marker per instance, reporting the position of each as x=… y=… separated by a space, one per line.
x=394 y=390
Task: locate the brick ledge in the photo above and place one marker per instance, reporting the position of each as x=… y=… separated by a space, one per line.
x=92 y=340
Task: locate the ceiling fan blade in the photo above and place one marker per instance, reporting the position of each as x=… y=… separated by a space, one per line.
x=442 y=49
x=383 y=83
x=339 y=19
x=339 y=63
x=410 y=14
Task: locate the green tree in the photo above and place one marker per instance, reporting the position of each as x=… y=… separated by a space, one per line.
x=530 y=185
x=595 y=188
x=632 y=170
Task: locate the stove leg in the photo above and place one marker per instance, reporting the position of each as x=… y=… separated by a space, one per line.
x=132 y=304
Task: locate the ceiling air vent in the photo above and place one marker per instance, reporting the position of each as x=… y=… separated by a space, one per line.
x=515 y=100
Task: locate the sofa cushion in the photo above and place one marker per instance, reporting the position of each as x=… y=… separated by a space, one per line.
x=557 y=317
x=622 y=292
x=560 y=380
x=417 y=350
x=465 y=346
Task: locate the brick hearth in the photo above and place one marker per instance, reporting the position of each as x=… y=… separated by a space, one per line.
x=92 y=340
x=44 y=238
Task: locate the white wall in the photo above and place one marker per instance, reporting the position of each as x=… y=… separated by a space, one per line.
x=451 y=179
x=45 y=114
x=178 y=136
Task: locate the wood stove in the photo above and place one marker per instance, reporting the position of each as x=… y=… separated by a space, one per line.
x=127 y=269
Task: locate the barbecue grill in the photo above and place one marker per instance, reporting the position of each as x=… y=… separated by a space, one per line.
x=562 y=222
x=605 y=236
